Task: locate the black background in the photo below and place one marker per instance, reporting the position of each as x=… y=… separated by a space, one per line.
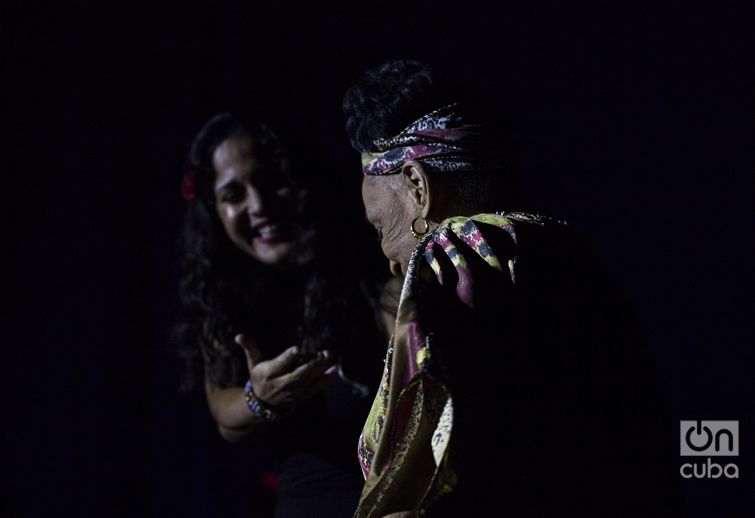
x=634 y=122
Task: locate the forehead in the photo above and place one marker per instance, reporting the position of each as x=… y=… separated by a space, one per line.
x=235 y=152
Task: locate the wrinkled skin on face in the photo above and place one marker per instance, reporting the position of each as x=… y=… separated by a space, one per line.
x=391 y=214
x=254 y=200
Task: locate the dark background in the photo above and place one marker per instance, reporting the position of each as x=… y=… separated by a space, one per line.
x=634 y=123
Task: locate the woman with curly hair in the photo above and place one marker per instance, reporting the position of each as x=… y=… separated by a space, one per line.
x=518 y=381
x=278 y=326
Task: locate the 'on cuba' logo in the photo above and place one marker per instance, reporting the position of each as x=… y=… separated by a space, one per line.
x=709 y=438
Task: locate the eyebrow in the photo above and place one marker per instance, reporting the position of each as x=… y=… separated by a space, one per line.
x=225 y=184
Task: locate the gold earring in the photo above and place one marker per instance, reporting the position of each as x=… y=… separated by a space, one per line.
x=416 y=234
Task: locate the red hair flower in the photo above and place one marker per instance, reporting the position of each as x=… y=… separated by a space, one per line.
x=189 y=186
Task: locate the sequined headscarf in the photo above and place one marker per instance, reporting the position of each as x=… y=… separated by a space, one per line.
x=443 y=140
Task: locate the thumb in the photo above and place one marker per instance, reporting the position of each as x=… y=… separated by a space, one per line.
x=253 y=353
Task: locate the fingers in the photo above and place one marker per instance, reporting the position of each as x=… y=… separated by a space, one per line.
x=282 y=381
x=305 y=373
x=283 y=363
x=313 y=380
x=253 y=353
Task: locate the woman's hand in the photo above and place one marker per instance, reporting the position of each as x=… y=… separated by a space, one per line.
x=286 y=380
x=281 y=383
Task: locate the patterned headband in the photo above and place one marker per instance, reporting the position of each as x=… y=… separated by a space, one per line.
x=441 y=139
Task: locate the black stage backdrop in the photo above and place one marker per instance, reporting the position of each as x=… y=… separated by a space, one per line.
x=634 y=123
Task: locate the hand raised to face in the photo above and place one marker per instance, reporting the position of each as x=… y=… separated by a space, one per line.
x=288 y=379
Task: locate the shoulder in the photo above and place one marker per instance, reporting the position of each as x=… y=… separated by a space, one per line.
x=465 y=252
x=485 y=239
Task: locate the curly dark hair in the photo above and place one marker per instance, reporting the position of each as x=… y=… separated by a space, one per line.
x=393 y=95
x=223 y=291
x=385 y=100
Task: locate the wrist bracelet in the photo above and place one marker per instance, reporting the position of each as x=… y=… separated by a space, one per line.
x=257 y=407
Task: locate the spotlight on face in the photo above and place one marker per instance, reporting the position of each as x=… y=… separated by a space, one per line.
x=254 y=200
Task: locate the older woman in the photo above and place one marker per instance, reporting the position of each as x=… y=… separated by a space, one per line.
x=516 y=379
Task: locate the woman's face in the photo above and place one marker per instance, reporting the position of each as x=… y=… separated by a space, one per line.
x=254 y=201
x=391 y=218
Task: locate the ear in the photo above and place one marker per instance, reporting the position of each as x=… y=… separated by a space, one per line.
x=417 y=187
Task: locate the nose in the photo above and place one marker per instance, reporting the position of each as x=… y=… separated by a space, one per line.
x=254 y=204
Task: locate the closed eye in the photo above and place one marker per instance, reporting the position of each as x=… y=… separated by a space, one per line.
x=232 y=195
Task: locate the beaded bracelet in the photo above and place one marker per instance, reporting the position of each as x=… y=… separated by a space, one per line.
x=256 y=406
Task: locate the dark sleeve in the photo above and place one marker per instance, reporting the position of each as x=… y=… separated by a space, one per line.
x=556 y=405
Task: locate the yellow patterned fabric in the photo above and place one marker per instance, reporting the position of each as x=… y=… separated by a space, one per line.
x=404 y=447
x=514 y=369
